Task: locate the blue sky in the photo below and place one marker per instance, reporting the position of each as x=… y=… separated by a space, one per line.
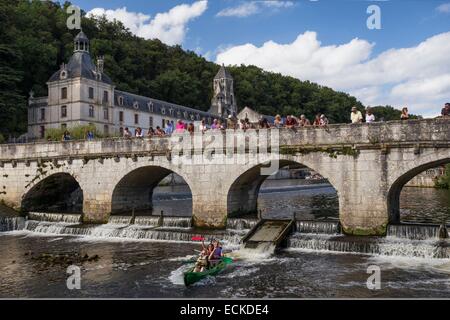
x=326 y=41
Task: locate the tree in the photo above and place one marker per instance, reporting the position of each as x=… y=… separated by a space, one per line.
x=34 y=41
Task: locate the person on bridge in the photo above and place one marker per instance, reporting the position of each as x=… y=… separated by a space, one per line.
x=290 y=122
x=316 y=122
x=203 y=127
x=278 y=122
x=324 y=121
x=356 y=115
x=150 y=132
x=90 y=135
x=139 y=133
x=405 y=114
x=160 y=132
x=370 y=117
x=66 y=136
x=179 y=128
x=304 y=122
x=169 y=127
x=191 y=128
x=126 y=133
x=445 y=112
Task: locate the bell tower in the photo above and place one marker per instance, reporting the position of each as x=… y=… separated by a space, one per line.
x=223 y=102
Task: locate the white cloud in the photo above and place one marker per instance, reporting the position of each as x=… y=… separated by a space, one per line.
x=243 y=10
x=253 y=7
x=169 y=27
x=444 y=8
x=418 y=76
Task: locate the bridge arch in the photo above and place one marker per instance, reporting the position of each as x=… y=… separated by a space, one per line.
x=59 y=192
x=242 y=195
x=134 y=190
x=393 y=195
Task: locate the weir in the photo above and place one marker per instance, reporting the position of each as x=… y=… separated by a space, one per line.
x=264 y=236
x=267 y=235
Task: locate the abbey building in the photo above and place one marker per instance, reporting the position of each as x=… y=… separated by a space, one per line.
x=80 y=94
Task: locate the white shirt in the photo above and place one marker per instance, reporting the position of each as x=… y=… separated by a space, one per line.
x=356 y=117
x=370 y=118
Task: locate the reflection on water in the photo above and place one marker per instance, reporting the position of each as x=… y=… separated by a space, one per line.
x=425 y=205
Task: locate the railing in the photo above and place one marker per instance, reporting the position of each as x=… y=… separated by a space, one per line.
x=433 y=133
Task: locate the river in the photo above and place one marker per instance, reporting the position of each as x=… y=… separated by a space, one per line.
x=132 y=266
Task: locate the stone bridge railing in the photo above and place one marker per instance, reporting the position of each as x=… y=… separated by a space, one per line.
x=419 y=133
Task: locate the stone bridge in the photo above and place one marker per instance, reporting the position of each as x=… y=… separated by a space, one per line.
x=367 y=164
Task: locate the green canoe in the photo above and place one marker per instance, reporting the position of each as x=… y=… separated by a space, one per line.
x=192 y=277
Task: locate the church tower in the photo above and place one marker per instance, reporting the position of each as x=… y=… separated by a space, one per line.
x=223 y=102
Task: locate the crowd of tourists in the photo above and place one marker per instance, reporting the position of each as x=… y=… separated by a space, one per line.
x=233 y=123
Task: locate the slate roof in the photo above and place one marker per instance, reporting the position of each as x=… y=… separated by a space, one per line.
x=145 y=104
x=81 y=36
x=223 y=73
x=80 y=65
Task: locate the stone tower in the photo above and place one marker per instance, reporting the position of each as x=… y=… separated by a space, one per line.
x=223 y=102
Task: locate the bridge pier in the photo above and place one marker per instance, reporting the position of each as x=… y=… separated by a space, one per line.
x=96 y=211
x=209 y=206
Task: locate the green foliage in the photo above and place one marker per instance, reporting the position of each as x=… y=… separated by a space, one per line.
x=34 y=41
x=76 y=133
x=2 y=139
x=444 y=181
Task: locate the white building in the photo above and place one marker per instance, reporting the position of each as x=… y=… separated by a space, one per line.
x=80 y=93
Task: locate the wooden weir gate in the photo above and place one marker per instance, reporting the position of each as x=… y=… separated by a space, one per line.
x=268 y=233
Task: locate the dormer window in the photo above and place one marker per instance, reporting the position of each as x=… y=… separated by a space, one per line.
x=163 y=110
x=136 y=105
x=63 y=75
x=179 y=114
x=185 y=114
x=192 y=117
x=197 y=116
x=150 y=106
x=171 y=112
x=120 y=101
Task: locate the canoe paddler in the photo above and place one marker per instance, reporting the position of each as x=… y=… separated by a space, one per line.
x=216 y=255
x=203 y=260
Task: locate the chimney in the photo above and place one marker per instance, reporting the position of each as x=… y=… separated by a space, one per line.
x=100 y=64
